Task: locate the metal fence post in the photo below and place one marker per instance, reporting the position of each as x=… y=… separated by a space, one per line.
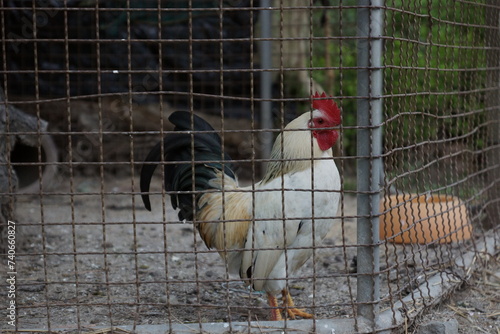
x=369 y=150
x=266 y=122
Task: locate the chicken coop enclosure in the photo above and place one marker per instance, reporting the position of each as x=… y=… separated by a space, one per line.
x=88 y=88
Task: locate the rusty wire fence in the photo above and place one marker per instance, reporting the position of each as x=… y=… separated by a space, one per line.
x=87 y=90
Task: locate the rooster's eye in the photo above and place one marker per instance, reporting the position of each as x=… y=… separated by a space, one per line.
x=320 y=121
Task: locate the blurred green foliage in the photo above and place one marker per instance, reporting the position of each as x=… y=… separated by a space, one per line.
x=434 y=75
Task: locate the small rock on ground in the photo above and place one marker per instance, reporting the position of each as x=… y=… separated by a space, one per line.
x=439 y=327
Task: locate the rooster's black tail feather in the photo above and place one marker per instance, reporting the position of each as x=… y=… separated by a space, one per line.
x=191 y=149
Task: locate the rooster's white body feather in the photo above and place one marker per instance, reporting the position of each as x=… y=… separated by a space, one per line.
x=281 y=239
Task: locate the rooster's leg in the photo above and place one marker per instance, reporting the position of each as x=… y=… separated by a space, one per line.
x=289 y=306
x=275 y=310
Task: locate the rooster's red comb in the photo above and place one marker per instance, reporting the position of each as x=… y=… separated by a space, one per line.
x=321 y=102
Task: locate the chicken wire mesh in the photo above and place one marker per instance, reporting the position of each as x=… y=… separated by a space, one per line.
x=88 y=89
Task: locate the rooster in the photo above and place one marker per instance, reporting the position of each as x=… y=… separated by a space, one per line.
x=267 y=231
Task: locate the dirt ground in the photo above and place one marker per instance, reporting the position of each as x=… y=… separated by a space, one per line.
x=475 y=305
x=137 y=269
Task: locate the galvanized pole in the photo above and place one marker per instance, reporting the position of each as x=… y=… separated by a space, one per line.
x=265 y=80
x=369 y=149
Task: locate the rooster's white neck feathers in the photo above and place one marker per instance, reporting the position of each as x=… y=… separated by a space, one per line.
x=292 y=150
